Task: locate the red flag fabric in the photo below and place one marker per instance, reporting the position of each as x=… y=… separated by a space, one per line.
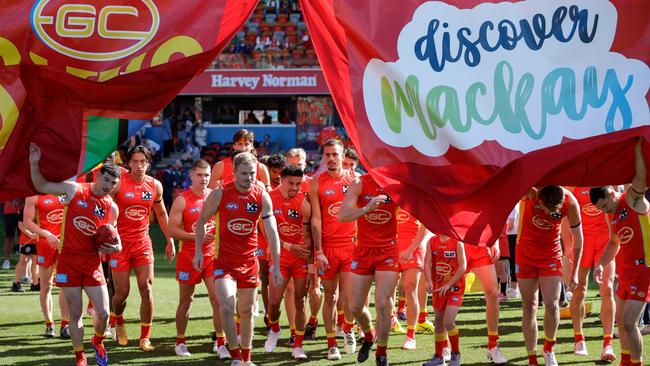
x=458 y=107
x=61 y=63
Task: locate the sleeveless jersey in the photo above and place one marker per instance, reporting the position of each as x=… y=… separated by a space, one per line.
x=444 y=260
x=49 y=214
x=288 y=215
x=539 y=232
x=593 y=219
x=83 y=215
x=331 y=192
x=135 y=201
x=238 y=216
x=377 y=228
x=407 y=228
x=191 y=213
x=633 y=231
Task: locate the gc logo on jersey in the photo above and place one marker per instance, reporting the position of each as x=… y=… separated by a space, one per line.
x=55 y=216
x=240 y=226
x=85 y=225
x=135 y=212
x=378 y=216
x=334 y=208
x=288 y=229
x=540 y=223
x=95 y=30
x=625 y=234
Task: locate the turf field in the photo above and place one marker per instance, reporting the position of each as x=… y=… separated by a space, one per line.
x=21 y=328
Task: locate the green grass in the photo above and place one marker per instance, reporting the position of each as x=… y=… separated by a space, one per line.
x=21 y=326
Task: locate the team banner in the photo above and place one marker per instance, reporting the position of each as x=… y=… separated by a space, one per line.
x=68 y=68
x=458 y=107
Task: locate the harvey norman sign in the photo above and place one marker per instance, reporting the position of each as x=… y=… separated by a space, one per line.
x=238 y=82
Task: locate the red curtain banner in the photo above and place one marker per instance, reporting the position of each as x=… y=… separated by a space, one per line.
x=458 y=107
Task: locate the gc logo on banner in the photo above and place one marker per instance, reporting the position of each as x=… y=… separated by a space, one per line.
x=111 y=31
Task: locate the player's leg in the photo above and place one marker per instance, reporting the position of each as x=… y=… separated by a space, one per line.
x=299 y=295
x=245 y=304
x=226 y=290
x=276 y=295
x=550 y=286
x=631 y=314
x=359 y=288
x=45 y=299
x=144 y=275
x=578 y=311
x=185 y=299
x=122 y=285
x=607 y=310
x=410 y=280
x=385 y=283
x=528 y=288
x=99 y=297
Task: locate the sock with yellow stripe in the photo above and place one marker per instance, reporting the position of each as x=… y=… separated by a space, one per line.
x=145 y=330
x=577 y=337
x=493 y=339
x=348 y=325
x=49 y=323
x=340 y=318
x=97 y=338
x=607 y=340
x=440 y=339
x=235 y=352
x=79 y=354
x=300 y=335
x=331 y=340
x=111 y=320
x=275 y=325
x=635 y=362
x=221 y=339
x=381 y=349
x=549 y=344
x=532 y=357
x=401 y=304
x=625 y=357
x=119 y=319
x=369 y=334
x=410 y=331
x=245 y=354
x=454 y=339
x=64 y=322
x=292 y=328
x=180 y=338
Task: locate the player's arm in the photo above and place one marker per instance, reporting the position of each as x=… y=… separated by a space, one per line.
x=265 y=178
x=215 y=177
x=609 y=253
x=349 y=210
x=636 y=192
x=161 y=212
x=306 y=229
x=68 y=188
x=29 y=213
x=421 y=238
x=209 y=209
x=428 y=259
x=175 y=227
x=272 y=237
x=30 y=234
x=316 y=225
x=575 y=223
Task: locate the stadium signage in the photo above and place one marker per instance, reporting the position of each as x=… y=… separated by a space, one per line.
x=288 y=81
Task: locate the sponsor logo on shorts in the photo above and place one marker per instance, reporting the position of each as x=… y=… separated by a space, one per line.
x=241 y=226
x=113 y=263
x=259 y=252
x=232 y=206
x=334 y=208
x=516 y=268
x=55 y=216
x=61 y=278
x=354 y=265
x=184 y=276
x=40 y=259
x=454 y=298
x=378 y=216
x=541 y=223
x=449 y=254
x=85 y=225
x=136 y=212
x=625 y=234
x=288 y=229
x=218 y=272
x=252 y=207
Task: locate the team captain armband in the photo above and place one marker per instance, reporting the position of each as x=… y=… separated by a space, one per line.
x=637 y=192
x=576 y=225
x=266 y=217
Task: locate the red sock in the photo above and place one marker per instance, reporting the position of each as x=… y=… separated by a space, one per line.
x=625 y=358
x=454 y=339
x=49 y=323
x=549 y=345
x=532 y=360
x=401 y=305
x=607 y=341
x=410 y=331
x=80 y=355
x=97 y=339
x=493 y=340
x=422 y=317
x=445 y=343
x=235 y=354
x=221 y=339
x=312 y=321
x=440 y=345
x=635 y=362
x=275 y=325
x=64 y=323
x=347 y=326
x=331 y=340
x=340 y=319
x=111 y=320
x=145 y=330
x=578 y=337
x=300 y=335
x=381 y=350
x=180 y=339
x=245 y=354
x=369 y=336
x=119 y=320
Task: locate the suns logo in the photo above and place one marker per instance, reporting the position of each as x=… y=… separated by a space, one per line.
x=625 y=234
x=241 y=226
x=378 y=216
x=85 y=225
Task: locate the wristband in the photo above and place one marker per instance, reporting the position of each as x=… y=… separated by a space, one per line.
x=318 y=252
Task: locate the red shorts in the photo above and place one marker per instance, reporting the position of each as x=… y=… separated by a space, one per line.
x=477 y=256
x=366 y=261
x=592 y=249
x=185 y=272
x=415 y=261
x=79 y=271
x=244 y=273
x=46 y=254
x=133 y=254
x=340 y=260
x=453 y=297
x=549 y=269
x=293 y=267
x=634 y=284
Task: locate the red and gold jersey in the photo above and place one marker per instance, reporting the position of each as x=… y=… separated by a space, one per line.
x=633 y=231
x=407 y=228
x=135 y=201
x=49 y=214
x=288 y=215
x=377 y=228
x=228 y=174
x=444 y=260
x=238 y=216
x=331 y=192
x=538 y=239
x=191 y=213
x=83 y=215
x=304 y=188
x=593 y=219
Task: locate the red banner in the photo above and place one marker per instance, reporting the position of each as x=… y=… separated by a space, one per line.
x=458 y=107
x=62 y=62
x=256 y=82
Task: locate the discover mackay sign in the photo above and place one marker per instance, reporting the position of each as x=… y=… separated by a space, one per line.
x=296 y=81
